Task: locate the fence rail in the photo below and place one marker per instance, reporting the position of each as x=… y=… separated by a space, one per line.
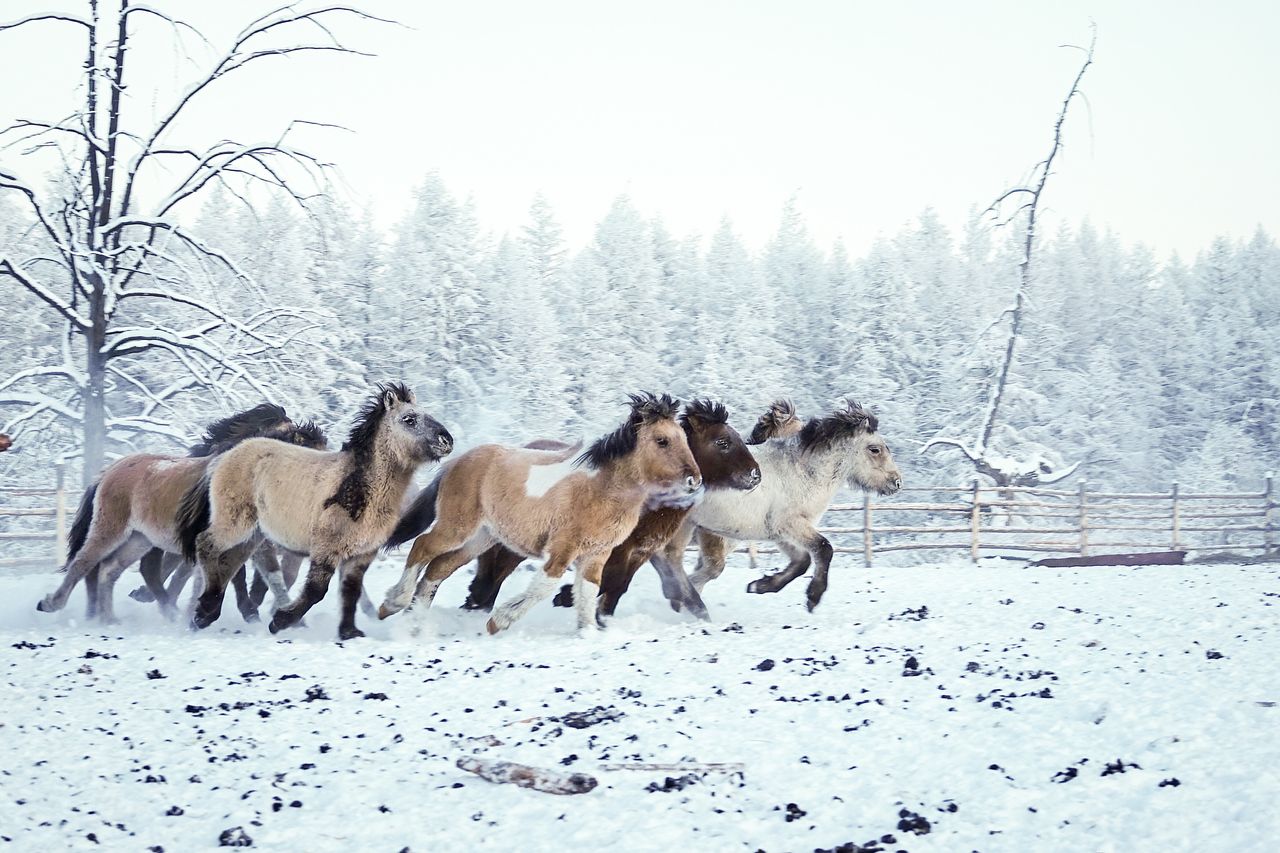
x=974 y=518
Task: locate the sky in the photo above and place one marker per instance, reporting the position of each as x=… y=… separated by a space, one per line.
x=865 y=113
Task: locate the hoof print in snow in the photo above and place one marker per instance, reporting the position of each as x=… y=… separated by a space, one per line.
x=909 y=821
x=764 y=665
x=1119 y=766
x=174 y=811
x=382 y=697
x=583 y=719
x=1214 y=654
x=793 y=812
x=1171 y=782
x=155 y=673
x=235 y=837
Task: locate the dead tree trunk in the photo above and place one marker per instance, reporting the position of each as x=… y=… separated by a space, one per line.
x=1029 y=472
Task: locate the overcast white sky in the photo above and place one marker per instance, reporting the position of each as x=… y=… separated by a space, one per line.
x=868 y=112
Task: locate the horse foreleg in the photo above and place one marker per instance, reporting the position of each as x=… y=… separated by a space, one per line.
x=313 y=589
x=352 y=589
x=367 y=606
x=493 y=567
x=542 y=586
x=91 y=579
x=677 y=588
x=616 y=575
x=586 y=590
x=444 y=565
x=713 y=550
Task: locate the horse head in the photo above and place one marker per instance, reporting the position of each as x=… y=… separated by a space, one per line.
x=852 y=431
x=721 y=454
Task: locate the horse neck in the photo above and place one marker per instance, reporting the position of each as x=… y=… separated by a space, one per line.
x=825 y=469
x=620 y=483
x=387 y=477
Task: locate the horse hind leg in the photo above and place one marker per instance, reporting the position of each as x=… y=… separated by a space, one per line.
x=218 y=568
x=352 y=590
x=109 y=571
x=313 y=589
x=542 y=586
x=586 y=591
x=442 y=567
x=454 y=527
x=493 y=567
x=244 y=601
x=678 y=589
x=107 y=533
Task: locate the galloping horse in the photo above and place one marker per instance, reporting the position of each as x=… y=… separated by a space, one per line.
x=339 y=507
x=495 y=493
x=801 y=475
x=133 y=507
x=725 y=463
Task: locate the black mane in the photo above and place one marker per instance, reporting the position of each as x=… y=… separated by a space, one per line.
x=843 y=423
x=222 y=435
x=780 y=413
x=353 y=491
x=306 y=434
x=704 y=410
x=645 y=408
x=365 y=431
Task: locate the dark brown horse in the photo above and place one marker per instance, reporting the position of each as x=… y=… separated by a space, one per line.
x=725 y=463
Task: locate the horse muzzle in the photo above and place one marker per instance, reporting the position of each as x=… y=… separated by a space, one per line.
x=441 y=446
x=891 y=487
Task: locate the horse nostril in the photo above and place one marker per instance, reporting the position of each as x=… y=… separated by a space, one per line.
x=691 y=482
x=755 y=475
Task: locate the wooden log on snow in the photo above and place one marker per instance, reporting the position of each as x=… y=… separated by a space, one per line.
x=1150 y=558
x=510 y=773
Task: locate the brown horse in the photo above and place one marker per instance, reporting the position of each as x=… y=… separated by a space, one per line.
x=337 y=507
x=133 y=508
x=5 y=442
x=725 y=463
x=511 y=495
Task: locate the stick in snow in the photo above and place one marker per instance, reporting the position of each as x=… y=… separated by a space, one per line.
x=547 y=781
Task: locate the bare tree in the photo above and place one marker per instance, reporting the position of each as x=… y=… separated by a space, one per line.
x=134 y=290
x=1014 y=204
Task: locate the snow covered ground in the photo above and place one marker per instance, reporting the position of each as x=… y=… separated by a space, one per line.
x=990 y=708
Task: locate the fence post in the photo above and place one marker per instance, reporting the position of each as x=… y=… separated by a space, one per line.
x=1084 y=520
x=866 y=528
x=1176 y=518
x=974 y=520
x=1268 y=517
x=60 y=517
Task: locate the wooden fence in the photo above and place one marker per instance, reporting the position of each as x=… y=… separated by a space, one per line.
x=977 y=519
x=56 y=536
x=992 y=520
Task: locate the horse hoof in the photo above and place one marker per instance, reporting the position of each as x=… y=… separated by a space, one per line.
x=758 y=587
x=44 y=606
x=279 y=622
x=384 y=611
x=810 y=602
x=349 y=633
x=564 y=598
x=492 y=627
x=143 y=595
x=251 y=617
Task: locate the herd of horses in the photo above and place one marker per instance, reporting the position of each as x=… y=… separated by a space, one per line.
x=263 y=491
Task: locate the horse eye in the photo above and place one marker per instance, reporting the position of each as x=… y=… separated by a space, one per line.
x=663 y=442
x=722 y=442
x=874 y=450
x=410 y=421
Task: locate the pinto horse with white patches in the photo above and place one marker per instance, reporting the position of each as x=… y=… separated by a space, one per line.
x=490 y=495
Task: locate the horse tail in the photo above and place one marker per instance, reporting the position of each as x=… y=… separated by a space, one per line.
x=80 y=526
x=779 y=421
x=193 y=517
x=418 y=517
x=549 y=452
